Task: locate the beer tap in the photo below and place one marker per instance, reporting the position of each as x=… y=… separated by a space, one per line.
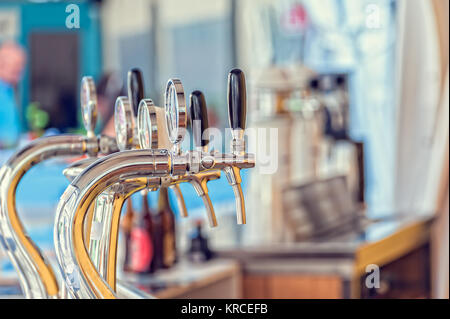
x=150 y=118
x=199 y=124
x=176 y=118
x=36 y=276
x=120 y=169
x=237 y=109
x=127 y=129
x=100 y=236
x=102 y=223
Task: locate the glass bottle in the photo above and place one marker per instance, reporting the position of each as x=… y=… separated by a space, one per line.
x=127 y=225
x=167 y=216
x=142 y=247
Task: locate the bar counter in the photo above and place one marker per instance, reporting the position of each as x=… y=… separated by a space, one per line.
x=336 y=267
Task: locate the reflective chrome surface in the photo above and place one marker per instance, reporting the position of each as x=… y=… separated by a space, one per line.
x=88 y=214
x=81 y=275
x=36 y=276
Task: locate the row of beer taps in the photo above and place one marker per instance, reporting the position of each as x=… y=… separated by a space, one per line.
x=145 y=155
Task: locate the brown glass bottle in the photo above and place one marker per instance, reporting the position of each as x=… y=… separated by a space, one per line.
x=141 y=240
x=127 y=226
x=169 y=253
x=157 y=262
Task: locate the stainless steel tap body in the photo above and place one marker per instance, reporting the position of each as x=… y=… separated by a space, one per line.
x=36 y=276
x=24 y=255
x=81 y=275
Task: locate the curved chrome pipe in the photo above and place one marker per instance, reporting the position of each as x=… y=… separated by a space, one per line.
x=80 y=274
x=37 y=278
x=102 y=234
x=102 y=229
x=103 y=220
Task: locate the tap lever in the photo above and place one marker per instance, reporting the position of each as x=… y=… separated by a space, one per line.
x=199 y=119
x=237 y=99
x=135 y=83
x=199 y=123
x=237 y=111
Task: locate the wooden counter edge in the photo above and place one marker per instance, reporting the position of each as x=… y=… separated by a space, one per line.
x=388 y=249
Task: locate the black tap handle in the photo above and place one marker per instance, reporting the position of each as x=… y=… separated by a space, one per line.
x=237 y=99
x=199 y=113
x=135 y=88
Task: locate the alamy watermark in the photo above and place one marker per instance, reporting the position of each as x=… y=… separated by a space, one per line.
x=73 y=17
x=373 y=276
x=261 y=142
x=373 y=16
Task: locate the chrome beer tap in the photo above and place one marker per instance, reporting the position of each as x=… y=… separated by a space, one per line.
x=199 y=124
x=237 y=111
x=231 y=163
x=127 y=128
x=101 y=239
x=120 y=169
x=36 y=276
x=150 y=117
x=102 y=222
x=176 y=118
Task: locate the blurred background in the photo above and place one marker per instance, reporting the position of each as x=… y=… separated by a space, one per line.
x=357 y=92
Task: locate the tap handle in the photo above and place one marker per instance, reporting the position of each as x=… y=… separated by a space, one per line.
x=88 y=99
x=135 y=88
x=237 y=99
x=199 y=118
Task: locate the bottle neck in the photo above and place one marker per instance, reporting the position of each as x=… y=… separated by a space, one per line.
x=145 y=205
x=130 y=209
x=127 y=223
x=163 y=200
